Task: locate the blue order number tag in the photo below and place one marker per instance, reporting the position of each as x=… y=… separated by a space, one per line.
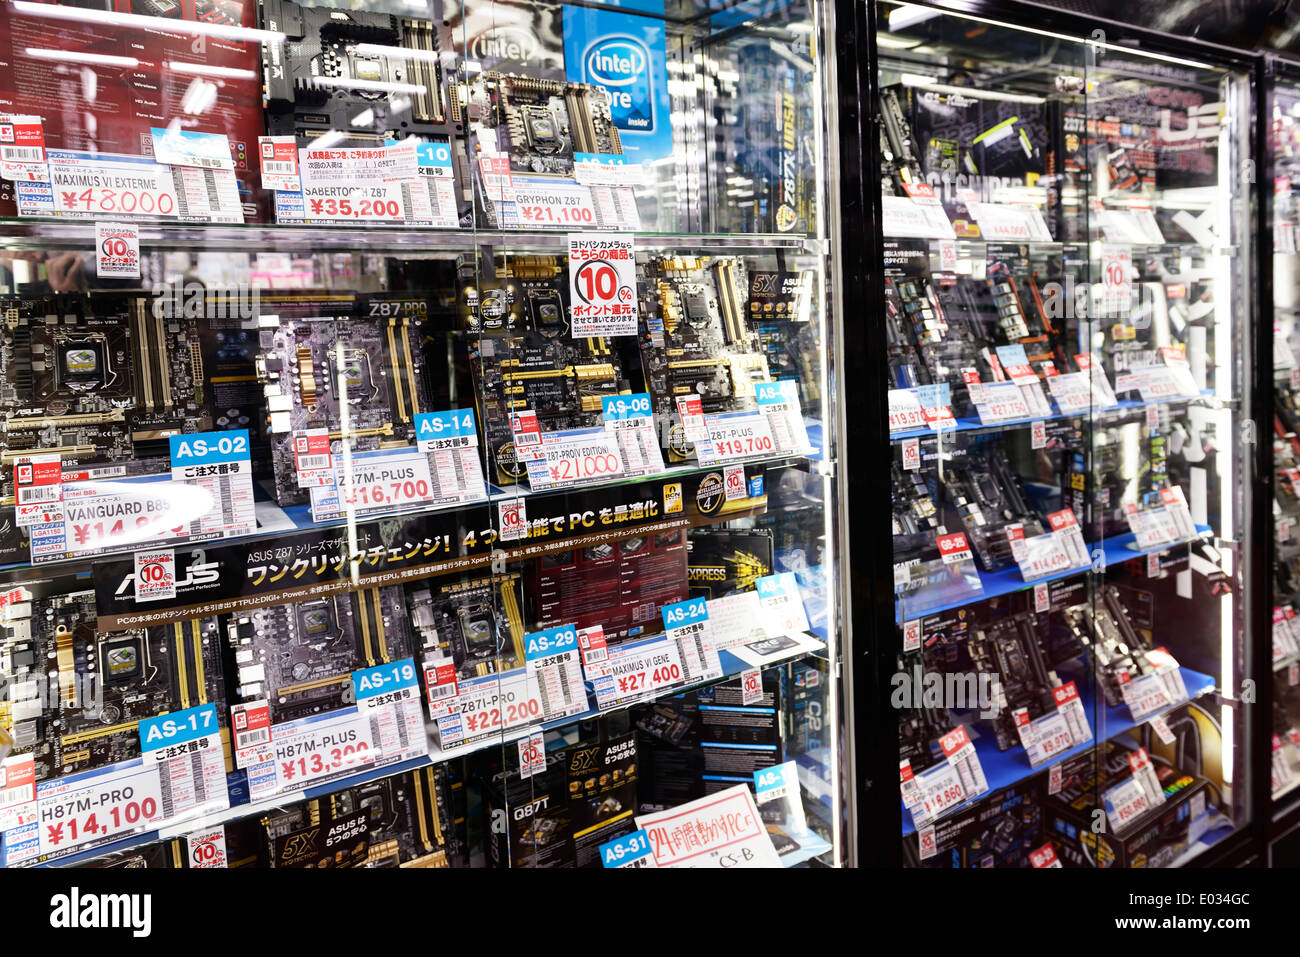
x=209 y=448
x=631 y=850
x=685 y=613
x=552 y=641
x=449 y=424
x=771 y=784
x=620 y=407
x=773 y=393
x=178 y=727
x=382 y=679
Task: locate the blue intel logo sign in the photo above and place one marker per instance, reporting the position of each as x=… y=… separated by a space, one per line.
x=621 y=66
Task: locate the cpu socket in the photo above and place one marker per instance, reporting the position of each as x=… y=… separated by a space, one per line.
x=121 y=660
x=82 y=363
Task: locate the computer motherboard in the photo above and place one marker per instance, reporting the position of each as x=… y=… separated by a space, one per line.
x=474 y=621
x=97 y=688
x=695 y=340
x=522 y=357
x=352 y=365
x=300 y=657
x=99 y=379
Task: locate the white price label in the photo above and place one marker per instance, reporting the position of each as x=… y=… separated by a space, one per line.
x=575 y=457
x=738 y=435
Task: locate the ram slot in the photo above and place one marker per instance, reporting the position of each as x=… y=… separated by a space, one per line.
x=397 y=376
x=426 y=797
x=733 y=321
x=65 y=655
x=149 y=356
x=196 y=372
x=418 y=35
x=367 y=645
x=182 y=664
x=580 y=124
x=511 y=605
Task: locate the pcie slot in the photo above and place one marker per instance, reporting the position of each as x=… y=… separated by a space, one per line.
x=732 y=318
x=313 y=685
x=385 y=429
x=537 y=374
x=96 y=733
x=410 y=368
x=418 y=35
x=8 y=456
x=580 y=124
x=32 y=423
x=696 y=364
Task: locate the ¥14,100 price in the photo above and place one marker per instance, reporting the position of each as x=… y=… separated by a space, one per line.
x=78 y=828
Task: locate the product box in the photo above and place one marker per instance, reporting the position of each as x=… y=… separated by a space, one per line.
x=722 y=561
x=560 y=817
x=999 y=831
x=1153 y=839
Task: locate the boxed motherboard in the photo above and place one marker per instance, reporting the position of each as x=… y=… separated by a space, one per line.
x=726 y=560
x=559 y=818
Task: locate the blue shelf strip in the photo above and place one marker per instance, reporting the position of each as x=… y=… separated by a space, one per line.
x=1121 y=548
x=1005 y=768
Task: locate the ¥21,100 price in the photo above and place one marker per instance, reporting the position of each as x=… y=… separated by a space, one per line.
x=321 y=763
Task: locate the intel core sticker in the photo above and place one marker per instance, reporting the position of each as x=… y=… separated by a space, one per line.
x=155 y=574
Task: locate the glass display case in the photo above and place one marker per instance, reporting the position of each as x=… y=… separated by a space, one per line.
x=420 y=434
x=1068 y=285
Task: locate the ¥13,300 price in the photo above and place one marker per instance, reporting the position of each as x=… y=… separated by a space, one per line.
x=325 y=762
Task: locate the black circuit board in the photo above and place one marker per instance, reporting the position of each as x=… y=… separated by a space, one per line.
x=475 y=622
x=97 y=687
x=408 y=823
x=300 y=657
x=539 y=124
x=101 y=380
x=522 y=357
x=374 y=344
x=695 y=340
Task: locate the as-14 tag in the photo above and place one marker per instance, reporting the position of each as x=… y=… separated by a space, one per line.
x=450 y=440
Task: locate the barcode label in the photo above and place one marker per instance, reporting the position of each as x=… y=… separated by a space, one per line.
x=196 y=770
x=277 y=166
x=210 y=181
x=310 y=463
x=251 y=737
x=442 y=691
x=22 y=154
x=17 y=795
x=39 y=493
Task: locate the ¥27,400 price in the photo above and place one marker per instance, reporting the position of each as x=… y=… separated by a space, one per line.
x=638 y=681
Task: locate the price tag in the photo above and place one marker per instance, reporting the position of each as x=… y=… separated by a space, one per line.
x=527 y=433
x=960 y=752
x=1010 y=222
x=1153 y=565
x=1038 y=434
x=1149 y=529
x=279 y=162
x=117 y=250
x=602 y=286
x=904 y=218
x=736 y=435
x=488 y=706
x=185 y=749
x=552 y=661
x=911 y=454
x=631 y=850
x=1072 y=392
x=1167 y=668
x=1047 y=738
x=781 y=603
x=1176 y=507
x=954 y=548
x=751 y=687
x=450 y=440
x=575 y=457
x=1001 y=402
x=388 y=696
x=1043 y=555
x=313 y=462
x=779 y=402
x=250 y=724
x=638 y=670
x=591 y=643
x=17 y=791
x=1044 y=856
x=1161 y=729
x=352 y=184
x=905 y=412
x=687 y=626
x=307 y=752
x=1042 y=599
x=532 y=754
x=381 y=481
x=630 y=420
x=1065 y=527
x=912 y=635
x=910 y=791
x=112 y=186
x=1145 y=775
x=941 y=789
x=1145 y=696
x=607 y=169
x=926 y=844
x=542 y=203
x=1070 y=706
x=1125 y=803
x=155 y=574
